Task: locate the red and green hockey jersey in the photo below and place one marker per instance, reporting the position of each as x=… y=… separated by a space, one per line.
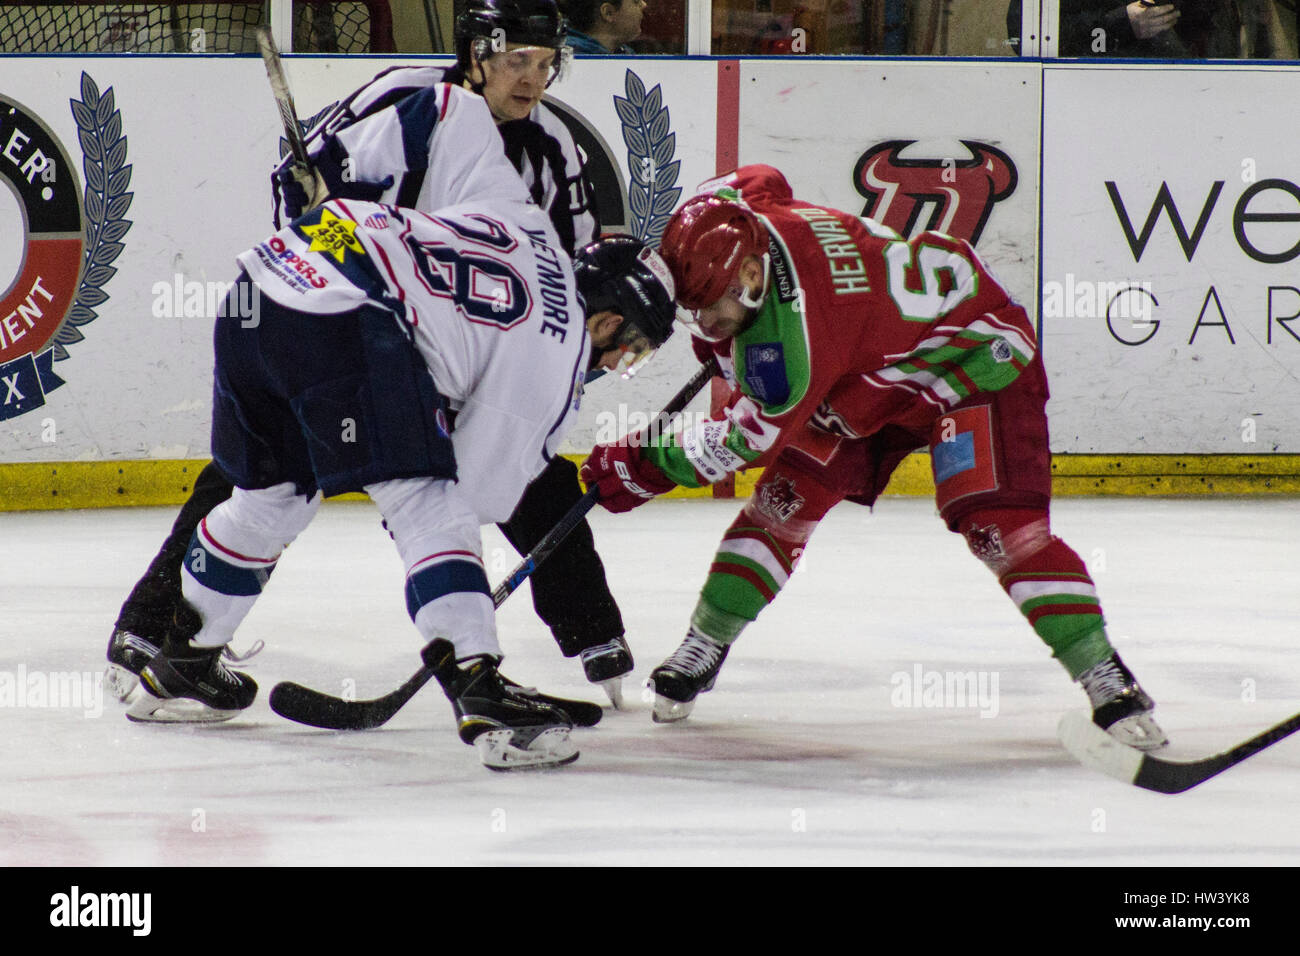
x=859 y=328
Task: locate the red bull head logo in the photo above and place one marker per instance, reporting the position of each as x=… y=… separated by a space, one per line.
x=960 y=192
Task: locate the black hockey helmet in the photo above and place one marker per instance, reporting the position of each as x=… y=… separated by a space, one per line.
x=488 y=24
x=623 y=274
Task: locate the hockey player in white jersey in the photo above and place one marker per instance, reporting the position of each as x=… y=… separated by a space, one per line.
x=392 y=140
x=433 y=361
x=509 y=52
x=375 y=144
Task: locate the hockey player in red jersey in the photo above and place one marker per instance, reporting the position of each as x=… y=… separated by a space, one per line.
x=849 y=348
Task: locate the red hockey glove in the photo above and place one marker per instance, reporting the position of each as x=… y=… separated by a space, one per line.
x=624 y=478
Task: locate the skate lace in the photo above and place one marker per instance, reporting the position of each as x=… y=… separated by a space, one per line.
x=695 y=656
x=235 y=657
x=1105 y=682
x=225 y=674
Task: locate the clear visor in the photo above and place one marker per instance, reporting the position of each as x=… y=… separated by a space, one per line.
x=690 y=318
x=519 y=61
x=636 y=347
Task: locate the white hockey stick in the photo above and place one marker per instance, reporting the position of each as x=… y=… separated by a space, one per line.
x=1095 y=748
x=283 y=98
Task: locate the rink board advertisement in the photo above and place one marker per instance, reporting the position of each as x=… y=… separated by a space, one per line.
x=1171 y=260
x=882 y=139
x=132 y=182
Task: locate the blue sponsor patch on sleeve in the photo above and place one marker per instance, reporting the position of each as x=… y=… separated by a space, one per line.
x=765 y=376
x=953 y=457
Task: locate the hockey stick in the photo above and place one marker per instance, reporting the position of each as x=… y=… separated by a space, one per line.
x=1095 y=748
x=283 y=98
x=556 y=535
x=301 y=169
x=307 y=706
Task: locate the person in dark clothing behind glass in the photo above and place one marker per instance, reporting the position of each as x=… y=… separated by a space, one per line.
x=1173 y=29
x=603 y=27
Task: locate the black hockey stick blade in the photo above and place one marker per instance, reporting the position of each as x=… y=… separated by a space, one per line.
x=1095 y=748
x=306 y=706
x=311 y=707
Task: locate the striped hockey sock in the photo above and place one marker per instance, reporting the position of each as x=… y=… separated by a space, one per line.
x=751 y=566
x=233 y=552
x=222 y=583
x=1047 y=581
x=447 y=594
x=760 y=550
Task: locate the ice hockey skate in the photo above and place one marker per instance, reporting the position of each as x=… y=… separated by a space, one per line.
x=607 y=664
x=127 y=656
x=129 y=653
x=188 y=684
x=581 y=713
x=511 y=731
x=1121 y=707
x=691 y=670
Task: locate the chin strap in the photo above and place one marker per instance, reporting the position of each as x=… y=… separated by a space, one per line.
x=749 y=301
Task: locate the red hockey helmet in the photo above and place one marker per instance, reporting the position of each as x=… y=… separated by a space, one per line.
x=704 y=244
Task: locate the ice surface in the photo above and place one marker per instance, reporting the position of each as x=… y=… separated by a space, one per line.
x=802 y=754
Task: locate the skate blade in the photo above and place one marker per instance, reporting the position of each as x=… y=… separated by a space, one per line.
x=120 y=681
x=1139 y=731
x=144 y=708
x=613 y=689
x=550 y=748
x=668 y=711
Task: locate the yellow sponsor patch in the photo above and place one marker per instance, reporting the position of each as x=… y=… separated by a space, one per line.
x=334 y=235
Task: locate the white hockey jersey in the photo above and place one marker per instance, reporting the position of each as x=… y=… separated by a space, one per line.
x=484 y=285
x=488 y=294
x=383 y=129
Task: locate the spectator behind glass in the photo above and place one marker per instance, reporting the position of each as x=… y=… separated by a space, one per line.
x=1174 y=29
x=603 y=26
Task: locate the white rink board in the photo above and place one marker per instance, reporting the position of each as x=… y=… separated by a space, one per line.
x=1218 y=388
x=814 y=123
x=140 y=386
x=202 y=138
x=203 y=135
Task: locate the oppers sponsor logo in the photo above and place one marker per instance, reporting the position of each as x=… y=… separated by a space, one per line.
x=959 y=193
x=297 y=272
